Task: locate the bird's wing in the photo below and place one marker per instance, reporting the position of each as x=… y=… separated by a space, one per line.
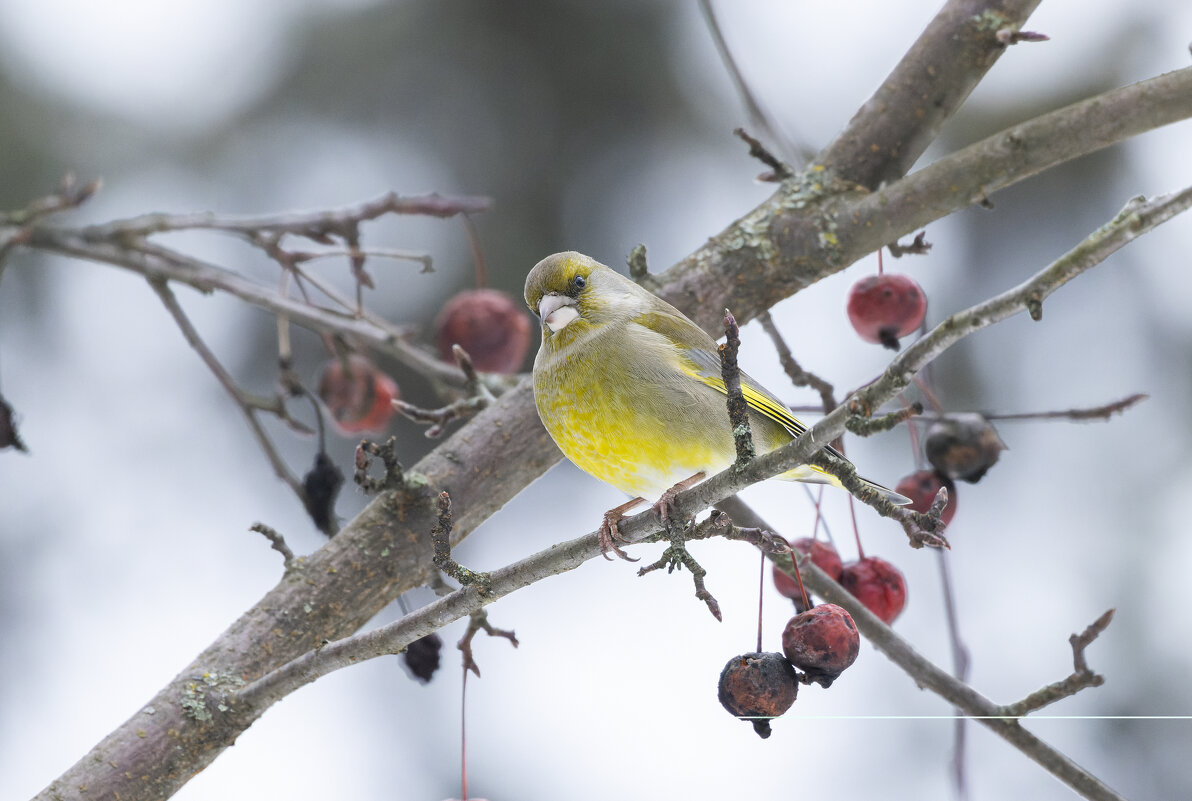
x=704 y=366
x=701 y=361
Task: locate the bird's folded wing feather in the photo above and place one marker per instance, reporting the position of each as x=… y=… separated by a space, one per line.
x=704 y=363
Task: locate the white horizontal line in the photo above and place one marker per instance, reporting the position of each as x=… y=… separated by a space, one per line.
x=970 y=717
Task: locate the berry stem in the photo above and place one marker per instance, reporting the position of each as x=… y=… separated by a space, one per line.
x=880 y=266
x=802 y=589
x=477 y=256
x=916 y=449
x=852 y=510
x=761 y=585
x=925 y=388
x=819 y=503
x=463 y=737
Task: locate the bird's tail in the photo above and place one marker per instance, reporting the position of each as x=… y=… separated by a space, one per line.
x=814 y=475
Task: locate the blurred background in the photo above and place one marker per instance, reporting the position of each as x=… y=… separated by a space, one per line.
x=124 y=542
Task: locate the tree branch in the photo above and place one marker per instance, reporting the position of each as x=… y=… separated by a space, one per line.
x=815 y=226
x=1081 y=677
x=895 y=126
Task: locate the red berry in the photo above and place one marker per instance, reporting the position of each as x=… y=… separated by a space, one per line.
x=963 y=446
x=758 y=686
x=358 y=395
x=921 y=487
x=883 y=308
x=823 y=555
x=489 y=325
x=822 y=641
x=878 y=585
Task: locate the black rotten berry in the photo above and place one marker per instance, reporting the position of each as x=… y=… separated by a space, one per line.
x=758 y=686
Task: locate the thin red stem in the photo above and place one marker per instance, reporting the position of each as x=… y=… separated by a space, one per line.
x=913 y=431
x=477 y=253
x=819 y=502
x=761 y=585
x=799 y=580
x=925 y=388
x=463 y=737
x=852 y=509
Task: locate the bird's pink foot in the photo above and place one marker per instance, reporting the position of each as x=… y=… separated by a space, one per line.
x=609 y=534
x=665 y=504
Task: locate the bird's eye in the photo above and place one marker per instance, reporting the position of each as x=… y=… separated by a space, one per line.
x=579 y=282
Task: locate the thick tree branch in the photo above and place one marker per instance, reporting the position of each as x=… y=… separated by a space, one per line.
x=889 y=133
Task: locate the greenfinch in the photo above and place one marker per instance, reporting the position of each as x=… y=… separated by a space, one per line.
x=631 y=390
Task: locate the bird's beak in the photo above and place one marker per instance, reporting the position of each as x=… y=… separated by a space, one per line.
x=557 y=311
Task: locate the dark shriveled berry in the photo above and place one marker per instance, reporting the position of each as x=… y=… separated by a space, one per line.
x=758 y=686
x=821 y=642
x=922 y=486
x=421 y=657
x=320 y=488
x=884 y=308
x=878 y=585
x=489 y=325
x=963 y=446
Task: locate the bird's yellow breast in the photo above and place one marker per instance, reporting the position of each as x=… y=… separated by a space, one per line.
x=632 y=416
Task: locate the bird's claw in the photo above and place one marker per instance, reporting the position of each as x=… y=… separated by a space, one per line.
x=609 y=535
x=665 y=505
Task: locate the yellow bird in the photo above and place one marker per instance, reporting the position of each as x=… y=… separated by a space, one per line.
x=631 y=390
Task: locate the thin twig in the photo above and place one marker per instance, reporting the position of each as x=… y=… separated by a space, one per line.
x=798 y=376
x=440 y=537
x=919 y=246
x=960 y=669
x=738 y=410
x=276 y=541
x=1079 y=415
x=69 y=195
x=868 y=426
x=248 y=404
x=779 y=170
x=759 y=117
x=1009 y=36
x=1081 y=678
x=478 y=621
x=478 y=397
x=374 y=253
x=316 y=225
x=394 y=476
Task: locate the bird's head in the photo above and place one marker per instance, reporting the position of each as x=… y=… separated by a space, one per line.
x=571 y=293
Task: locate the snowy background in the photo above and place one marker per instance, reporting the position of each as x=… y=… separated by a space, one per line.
x=124 y=547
